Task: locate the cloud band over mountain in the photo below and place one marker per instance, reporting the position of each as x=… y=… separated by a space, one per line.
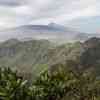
x=21 y=12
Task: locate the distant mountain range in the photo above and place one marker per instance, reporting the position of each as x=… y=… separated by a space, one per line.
x=34 y=56
x=52 y=31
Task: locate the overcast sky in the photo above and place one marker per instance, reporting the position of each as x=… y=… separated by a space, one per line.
x=80 y=14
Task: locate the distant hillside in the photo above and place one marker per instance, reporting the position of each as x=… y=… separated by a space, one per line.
x=91 y=55
x=78 y=56
x=52 y=31
x=24 y=56
x=34 y=56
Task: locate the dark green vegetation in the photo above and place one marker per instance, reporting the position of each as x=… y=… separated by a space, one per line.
x=62 y=84
x=73 y=72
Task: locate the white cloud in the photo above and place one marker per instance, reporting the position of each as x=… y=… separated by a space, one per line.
x=45 y=11
x=61 y=11
x=7 y=17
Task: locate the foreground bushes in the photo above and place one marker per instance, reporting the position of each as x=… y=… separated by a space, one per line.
x=60 y=85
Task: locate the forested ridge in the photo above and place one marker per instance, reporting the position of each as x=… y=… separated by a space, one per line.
x=39 y=70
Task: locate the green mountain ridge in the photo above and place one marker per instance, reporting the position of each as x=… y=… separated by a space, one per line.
x=34 y=56
x=24 y=56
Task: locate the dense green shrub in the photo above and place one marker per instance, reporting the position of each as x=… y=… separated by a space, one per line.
x=59 y=85
x=12 y=87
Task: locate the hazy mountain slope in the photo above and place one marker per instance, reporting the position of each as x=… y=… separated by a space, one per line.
x=63 y=52
x=91 y=55
x=24 y=56
x=51 y=31
x=33 y=56
x=81 y=56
